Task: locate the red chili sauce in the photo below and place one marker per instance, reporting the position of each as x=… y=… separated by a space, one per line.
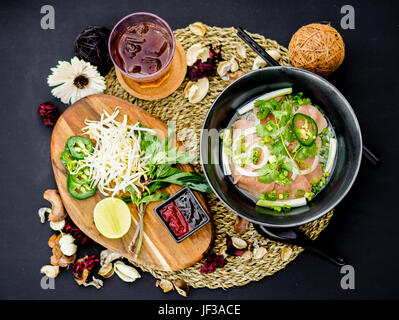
x=175 y=219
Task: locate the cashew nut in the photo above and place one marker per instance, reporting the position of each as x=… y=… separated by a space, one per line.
x=58 y=212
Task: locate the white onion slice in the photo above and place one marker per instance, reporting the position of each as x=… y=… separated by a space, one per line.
x=267 y=96
x=331 y=155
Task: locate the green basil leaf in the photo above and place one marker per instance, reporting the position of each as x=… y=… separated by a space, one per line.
x=189 y=179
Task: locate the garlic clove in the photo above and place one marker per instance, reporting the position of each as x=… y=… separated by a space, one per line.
x=181 y=287
x=197 y=28
x=246 y=256
x=239 y=243
x=241 y=52
x=106 y=271
x=196 y=51
x=222 y=251
x=125 y=272
x=203 y=54
x=274 y=54
x=57 y=226
x=286 y=253
x=258 y=63
x=234 y=64
x=259 y=252
x=223 y=68
x=50 y=271
x=165 y=285
x=196 y=91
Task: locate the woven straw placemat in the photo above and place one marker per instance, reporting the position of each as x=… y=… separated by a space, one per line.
x=191 y=116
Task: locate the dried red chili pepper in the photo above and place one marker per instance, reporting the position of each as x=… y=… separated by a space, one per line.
x=211 y=262
x=49 y=113
x=208 y=68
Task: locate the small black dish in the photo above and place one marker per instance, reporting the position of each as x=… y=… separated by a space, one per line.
x=196 y=218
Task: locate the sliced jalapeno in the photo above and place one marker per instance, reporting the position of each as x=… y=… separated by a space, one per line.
x=79 y=187
x=67 y=160
x=79 y=147
x=305 y=129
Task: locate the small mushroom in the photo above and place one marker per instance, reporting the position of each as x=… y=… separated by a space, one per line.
x=58 y=212
x=195 y=52
x=42 y=213
x=165 y=285
x=286 y=253
x=107 y=256
x=196 y=91
x=239 y=243
x=50 y=271
x=181 y=287
x=58 y=225
x=97 y=283
x=241 y=52
x=125 y=272
x=197 y=28
x=259 y=252
x=241 y=225
x=106 y=271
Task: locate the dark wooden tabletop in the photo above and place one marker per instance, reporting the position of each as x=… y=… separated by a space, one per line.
x=365 y=226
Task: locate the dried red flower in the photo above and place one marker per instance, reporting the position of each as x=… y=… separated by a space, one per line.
x=74 y=231
x=205 y=69
x=211 y=262
x=231 y=250
x=49 y=113
x=85 y=263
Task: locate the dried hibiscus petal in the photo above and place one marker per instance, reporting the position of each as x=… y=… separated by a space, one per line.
x=85 y=263
x=49 y=113
x=207 y=69
x=74 y=231
x=211 y=262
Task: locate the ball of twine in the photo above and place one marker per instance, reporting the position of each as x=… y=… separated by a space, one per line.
x=318 y=48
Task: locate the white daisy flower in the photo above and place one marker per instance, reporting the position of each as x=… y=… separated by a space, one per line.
x=75 y=80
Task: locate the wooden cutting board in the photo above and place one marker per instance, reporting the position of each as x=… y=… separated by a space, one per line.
x=159 y=250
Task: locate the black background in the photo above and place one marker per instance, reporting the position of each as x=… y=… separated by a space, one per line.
x=365 y=226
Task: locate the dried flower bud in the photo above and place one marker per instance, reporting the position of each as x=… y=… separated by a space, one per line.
x=49 y=113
